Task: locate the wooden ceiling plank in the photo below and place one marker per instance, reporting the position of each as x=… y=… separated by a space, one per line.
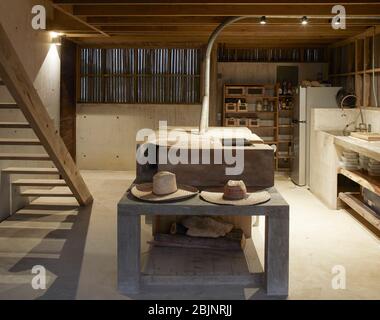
x=210 y=21
x=206 y=2
x=71 y=15
x=221 y=10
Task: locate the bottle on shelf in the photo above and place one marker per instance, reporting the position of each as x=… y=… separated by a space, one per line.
x=284 y=88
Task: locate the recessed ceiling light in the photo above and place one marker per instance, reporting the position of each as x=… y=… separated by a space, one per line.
x=263 y=20
x=304 y=20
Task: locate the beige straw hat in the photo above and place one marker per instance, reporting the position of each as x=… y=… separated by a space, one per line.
x=163 y=188
x=235 y=193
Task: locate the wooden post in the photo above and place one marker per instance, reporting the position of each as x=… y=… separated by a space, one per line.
x=21 y=88
x=68 y=95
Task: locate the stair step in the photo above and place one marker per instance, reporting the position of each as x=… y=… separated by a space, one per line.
x=20 y=142
x=8 y=105
x=47 y=193
x=2 y=83
x=23 y=156
x=40 y=182
x=21 y=170
x=14 y=125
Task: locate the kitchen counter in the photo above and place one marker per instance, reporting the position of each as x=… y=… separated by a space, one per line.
x=370 y=149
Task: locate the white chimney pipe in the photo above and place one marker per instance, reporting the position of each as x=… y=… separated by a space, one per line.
x=204 y=121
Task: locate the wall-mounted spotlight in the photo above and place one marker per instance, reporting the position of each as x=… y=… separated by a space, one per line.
x=304 y=20
x=56 y=38
x=263 y=20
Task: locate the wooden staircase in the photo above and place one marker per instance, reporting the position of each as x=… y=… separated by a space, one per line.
x=17 y=82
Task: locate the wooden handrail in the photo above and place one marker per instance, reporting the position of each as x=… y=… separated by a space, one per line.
x=13 y=74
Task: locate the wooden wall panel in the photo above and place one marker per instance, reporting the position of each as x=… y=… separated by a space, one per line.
x=68 y=95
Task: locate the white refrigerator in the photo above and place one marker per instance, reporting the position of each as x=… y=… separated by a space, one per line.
x=305 y=100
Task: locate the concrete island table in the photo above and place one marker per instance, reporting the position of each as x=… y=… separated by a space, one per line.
x=276 y=211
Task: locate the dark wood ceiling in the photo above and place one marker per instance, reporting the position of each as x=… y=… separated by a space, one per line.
x=119 y=22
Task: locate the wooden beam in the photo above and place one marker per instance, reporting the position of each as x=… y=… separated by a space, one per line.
x=25 y=95
x=213 y=21
x=207 y=2
x=257 y=30
x=174 y=41
x=71 y=15
x=311 y=10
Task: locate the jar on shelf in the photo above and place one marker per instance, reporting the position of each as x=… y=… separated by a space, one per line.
x=259 y=106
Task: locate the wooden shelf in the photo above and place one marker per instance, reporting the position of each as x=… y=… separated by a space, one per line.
x=248 y=112
x=262 y=127
x=363 y=179
x=353 y=200
x=264 y=115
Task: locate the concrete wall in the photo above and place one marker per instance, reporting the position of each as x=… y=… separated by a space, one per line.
x=41 y=61
x=106 y=134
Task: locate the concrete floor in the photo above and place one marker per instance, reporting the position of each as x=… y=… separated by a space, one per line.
x=78 y=249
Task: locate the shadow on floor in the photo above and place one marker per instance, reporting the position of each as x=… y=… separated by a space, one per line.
x=65 y=236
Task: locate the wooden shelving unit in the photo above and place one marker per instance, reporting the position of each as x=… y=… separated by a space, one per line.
x=355 y=199
x=263 y=122
x=351 y=65
x=363 y=179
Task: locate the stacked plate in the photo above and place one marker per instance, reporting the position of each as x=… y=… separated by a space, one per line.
x=363 y=161
x=350 y=160
x=374 y=168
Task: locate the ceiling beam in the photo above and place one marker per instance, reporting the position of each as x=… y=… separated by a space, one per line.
x=208 y=2
x=236 y=29
x=172 y=41
x=221 y=10
x=213 y=21
x=68 y=10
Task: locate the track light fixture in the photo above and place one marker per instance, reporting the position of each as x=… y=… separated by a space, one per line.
x=263 y=20
x=304 y=20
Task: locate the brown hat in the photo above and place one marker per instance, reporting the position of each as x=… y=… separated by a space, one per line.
x=163 y=188
x=235 y=193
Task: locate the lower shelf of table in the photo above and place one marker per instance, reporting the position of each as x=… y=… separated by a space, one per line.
x=189 y=266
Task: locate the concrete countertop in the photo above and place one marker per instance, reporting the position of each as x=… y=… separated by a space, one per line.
x=370 y=149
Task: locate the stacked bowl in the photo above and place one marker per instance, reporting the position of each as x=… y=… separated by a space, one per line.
x=374 y=168
x=350 y=160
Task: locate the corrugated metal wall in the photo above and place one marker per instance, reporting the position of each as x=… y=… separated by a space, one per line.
x=226 y=54
x=132 y=75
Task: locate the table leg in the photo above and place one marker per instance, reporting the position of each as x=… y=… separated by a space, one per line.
x=128 y=252
x=277 y=253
